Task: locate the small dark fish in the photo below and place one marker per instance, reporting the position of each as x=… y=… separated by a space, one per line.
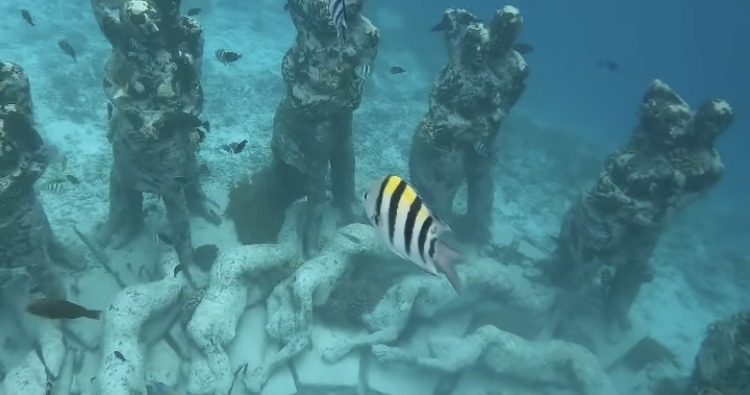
x=177 y=270
x=60 y=309
x=523 y=48
x=93 y=378
x=72 y=179
x=227 y=57
x=397 y=70
x=194 y=11
x=182 y=180
x=161 y=238
x=54 y=186
x=27 y=17
x=337 y=10
x=68 y=49
x=482 y=149
x=239 y=147
x=110 y=110
x=119 y=356
x=607 y=64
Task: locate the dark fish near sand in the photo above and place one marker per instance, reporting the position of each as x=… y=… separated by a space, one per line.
x=239 y=147
x=397 y=70
x=337 y=9
x=67 y=48
x=55 y=186
x=400 y=216
x=523 y=48
x=60 y=309
x=119 y=356
x=194 y=11
x=72 y=179
x=27 y=16
x=227 y=57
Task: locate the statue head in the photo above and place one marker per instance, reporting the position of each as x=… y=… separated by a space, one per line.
x=505 y=27
x=712 y=119
x=143 y=18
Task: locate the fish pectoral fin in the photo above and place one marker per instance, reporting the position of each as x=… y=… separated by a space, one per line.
x=445 y=258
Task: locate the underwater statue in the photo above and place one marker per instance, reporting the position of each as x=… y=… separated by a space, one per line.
x=455 y=140
x=313 y=123
x=27 y=243
x=153 y=83
x=722 y=366
x=611 y=231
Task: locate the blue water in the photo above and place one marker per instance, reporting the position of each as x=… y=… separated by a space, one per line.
x=698 y=48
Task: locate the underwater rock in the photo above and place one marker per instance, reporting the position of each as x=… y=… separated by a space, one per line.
x=205 y=256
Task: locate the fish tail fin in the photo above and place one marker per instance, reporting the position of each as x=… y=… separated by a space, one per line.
x=445 y=258
x=93 y=314
x=438 y=27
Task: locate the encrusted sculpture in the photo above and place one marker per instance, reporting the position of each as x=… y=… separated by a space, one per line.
x=668 y=164
x=313 y=122
x=454 y=142
x=554 y=362
x=722 y=366
x=27 y=243
x=153 y=82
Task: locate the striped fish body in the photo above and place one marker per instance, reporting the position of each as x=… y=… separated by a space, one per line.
x=398 y=213
x=337 y=9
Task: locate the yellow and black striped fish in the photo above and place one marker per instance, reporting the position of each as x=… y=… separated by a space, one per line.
x=398 y=213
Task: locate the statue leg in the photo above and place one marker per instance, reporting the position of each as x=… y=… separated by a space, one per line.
x=342 y=168
x=125 y=219
x=437 y=175
x=197 y=201
x=39 y=267
x=179 y=221
x=480 y=188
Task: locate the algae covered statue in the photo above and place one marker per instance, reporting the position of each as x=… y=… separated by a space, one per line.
x=611 y=231
x=27 y=243
x=153 y=82
x=722 y=366
x=313 y=123
x=455 y=140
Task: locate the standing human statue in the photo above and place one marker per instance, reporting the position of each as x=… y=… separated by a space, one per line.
x=312 y=129
x=153 y=83
x=455 y=140
x=28 y=247
x=611 y=231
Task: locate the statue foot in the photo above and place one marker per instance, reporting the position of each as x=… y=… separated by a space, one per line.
x=202 y=209
x=116 y=237
x=335 y=353
x=255 y=380
x=385 y=353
